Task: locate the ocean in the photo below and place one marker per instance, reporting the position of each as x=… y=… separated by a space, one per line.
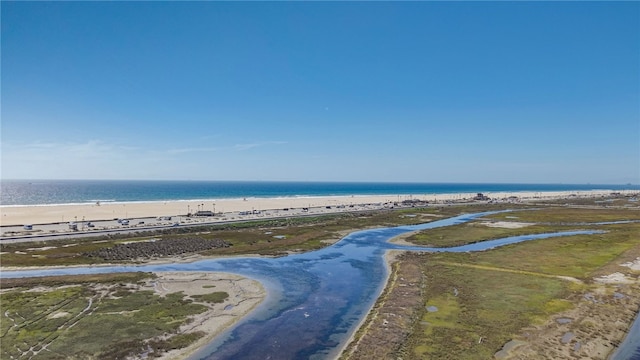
x=51 y=192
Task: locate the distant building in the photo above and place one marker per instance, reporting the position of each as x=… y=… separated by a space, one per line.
x=204 y=213
x=481 y=196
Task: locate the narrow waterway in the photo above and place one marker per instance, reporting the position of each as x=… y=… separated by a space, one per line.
x=316 y=299
x=629 y=349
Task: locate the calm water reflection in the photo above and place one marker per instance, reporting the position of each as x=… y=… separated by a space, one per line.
x=316 y=299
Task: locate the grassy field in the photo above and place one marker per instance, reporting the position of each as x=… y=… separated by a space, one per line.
x=93 y=316
x=473 y=232
x=471 y=304
x=576 y=256
x=567 y=215
x=482 y=313
x=537 y=221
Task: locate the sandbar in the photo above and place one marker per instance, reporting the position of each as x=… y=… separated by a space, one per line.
x=244 y=295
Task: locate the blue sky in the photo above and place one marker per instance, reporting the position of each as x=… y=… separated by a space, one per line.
x=530 y=92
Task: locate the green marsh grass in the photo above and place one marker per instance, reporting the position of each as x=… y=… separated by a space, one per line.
x=213 y=298
x=473 y=232
x=81 y=321
x=489 y=307
x=560 y=215
x=503 y=290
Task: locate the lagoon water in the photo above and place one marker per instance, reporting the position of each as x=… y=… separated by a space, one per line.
x=629 y=349
x=316 y=299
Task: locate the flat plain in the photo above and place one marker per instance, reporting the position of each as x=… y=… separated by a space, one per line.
x=559 y=297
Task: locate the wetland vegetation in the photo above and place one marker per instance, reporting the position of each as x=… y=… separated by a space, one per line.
x=436 y=305
x=471 y=304
x=105 y=316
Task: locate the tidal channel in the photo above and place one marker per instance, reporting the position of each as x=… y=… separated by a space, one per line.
x=316 y=300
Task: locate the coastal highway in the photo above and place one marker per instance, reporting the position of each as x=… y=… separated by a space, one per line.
x=62 y=230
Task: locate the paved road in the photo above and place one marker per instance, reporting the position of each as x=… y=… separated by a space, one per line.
x=44 y=232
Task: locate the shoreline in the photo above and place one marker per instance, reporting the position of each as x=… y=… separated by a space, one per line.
x=347 y=349
x=19 y=215
x=245 y=294
x=341 y=189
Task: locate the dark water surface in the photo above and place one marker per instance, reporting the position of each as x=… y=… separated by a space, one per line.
x=316 y=300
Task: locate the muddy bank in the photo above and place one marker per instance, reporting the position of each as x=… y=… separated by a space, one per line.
x=244 y=295
x=391 y=319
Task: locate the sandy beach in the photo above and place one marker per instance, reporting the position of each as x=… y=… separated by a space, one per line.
x=47 y=214
x=244 y=295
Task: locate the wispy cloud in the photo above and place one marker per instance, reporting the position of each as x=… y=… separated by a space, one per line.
x=192 y=150
x=236 y=147
x=65 y=159
x=107 y=160
x=242 y=147
x=89 y=148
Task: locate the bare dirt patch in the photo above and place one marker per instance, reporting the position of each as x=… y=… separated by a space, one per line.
x=59 y=314
x=598 y=322
x=244 y=295
x=594 y=327
x=633 y=265
x=506 y=224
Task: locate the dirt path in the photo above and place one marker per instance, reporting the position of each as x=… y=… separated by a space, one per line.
x=493 y=268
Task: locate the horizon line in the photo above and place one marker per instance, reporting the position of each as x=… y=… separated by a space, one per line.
x=328 y=181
